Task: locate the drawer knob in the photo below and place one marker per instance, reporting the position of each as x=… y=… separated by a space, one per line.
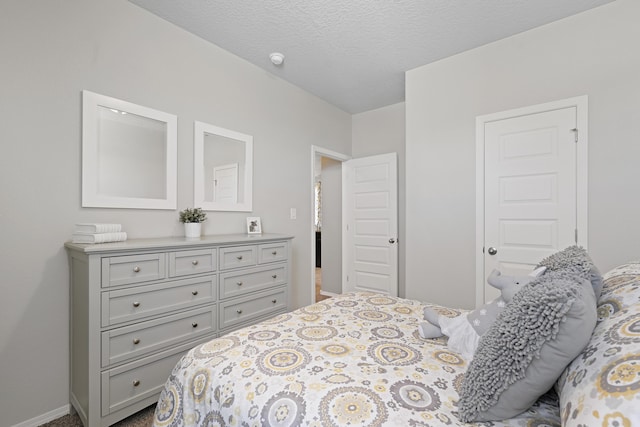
x=274 y=301
x=239 y=283
x=136 y=304
x=194 y=324
x=274 y=276
x=239 y=257
x=136 y=269
x=194 y=292
x=194 y=262
x=239 y=311
x=274 y=253
x=136 y=383
x=136 y=341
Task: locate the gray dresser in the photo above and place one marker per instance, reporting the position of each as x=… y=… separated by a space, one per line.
x=137 y=306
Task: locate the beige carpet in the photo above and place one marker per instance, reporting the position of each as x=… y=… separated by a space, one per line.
x=143 y=418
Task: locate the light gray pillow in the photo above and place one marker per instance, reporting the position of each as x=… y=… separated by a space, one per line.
x=546 y=325
x=576 y=260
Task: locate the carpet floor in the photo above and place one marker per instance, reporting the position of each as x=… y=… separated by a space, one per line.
x=143 y=418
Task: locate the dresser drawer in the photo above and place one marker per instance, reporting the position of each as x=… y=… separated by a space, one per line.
x=235 y=283
x=238 y=256
x=142 y=301
x=125 y=385
x=128 y=269
x=122 y=344
x=183 y=263
x=250 y=307
x=272 y=252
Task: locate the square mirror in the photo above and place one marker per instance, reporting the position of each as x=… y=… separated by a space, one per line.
x=223 y=165
x=129 y=155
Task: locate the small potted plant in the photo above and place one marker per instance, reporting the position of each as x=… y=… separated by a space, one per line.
x=192 y=220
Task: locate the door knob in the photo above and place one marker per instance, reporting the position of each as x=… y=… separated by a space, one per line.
x=392 y=240
x=492 y=250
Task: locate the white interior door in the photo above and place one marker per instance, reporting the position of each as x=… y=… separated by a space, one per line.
x=530 y=190
x=225 y=183
x=370 y=221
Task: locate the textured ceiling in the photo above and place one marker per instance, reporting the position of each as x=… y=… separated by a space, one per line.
x=353 y=53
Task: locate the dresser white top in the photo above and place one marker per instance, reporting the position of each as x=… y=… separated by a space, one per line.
x=175 y=242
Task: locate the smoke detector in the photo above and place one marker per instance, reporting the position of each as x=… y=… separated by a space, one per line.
x=276 y=58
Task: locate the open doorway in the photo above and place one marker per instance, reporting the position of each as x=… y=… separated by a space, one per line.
x=327 y=223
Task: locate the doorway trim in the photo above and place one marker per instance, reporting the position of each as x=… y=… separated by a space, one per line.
x=324 y=152
x=581 y=104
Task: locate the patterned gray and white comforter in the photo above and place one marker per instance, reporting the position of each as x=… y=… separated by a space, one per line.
x=353 y=360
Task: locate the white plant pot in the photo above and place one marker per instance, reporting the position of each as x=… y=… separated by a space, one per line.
x=192 y=230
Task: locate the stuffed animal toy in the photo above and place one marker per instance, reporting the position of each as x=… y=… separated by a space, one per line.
x=464 y=331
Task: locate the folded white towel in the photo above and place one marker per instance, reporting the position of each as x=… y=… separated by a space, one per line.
x=98 y=237
x=89 y=227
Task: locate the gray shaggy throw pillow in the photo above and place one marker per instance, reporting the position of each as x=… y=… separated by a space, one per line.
x=545 y=326
x=575 y=260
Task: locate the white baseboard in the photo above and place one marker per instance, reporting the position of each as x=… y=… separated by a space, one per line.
x=45 y=418
x=328 y=294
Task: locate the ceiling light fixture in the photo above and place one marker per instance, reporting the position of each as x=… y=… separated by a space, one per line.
x=276 y=58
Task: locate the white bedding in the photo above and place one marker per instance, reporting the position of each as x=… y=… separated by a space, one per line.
x=352 y=360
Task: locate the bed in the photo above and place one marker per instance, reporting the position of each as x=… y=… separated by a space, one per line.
x=352 y=360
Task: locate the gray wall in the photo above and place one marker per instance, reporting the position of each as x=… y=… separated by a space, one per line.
x=382 y=131
x=331 y=249
x=594 y=53
x=51 y=50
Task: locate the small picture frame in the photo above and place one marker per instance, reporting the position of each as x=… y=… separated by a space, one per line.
x=253 y=225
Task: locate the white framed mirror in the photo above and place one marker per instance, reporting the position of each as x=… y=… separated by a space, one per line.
x=222 y=169
x=129 y=155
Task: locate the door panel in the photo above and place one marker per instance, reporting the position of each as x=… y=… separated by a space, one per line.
x=530 y=190
x=225 y=183
x=371 y=224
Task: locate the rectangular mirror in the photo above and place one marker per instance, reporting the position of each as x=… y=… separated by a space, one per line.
x=223 y=169
x=129 y=155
